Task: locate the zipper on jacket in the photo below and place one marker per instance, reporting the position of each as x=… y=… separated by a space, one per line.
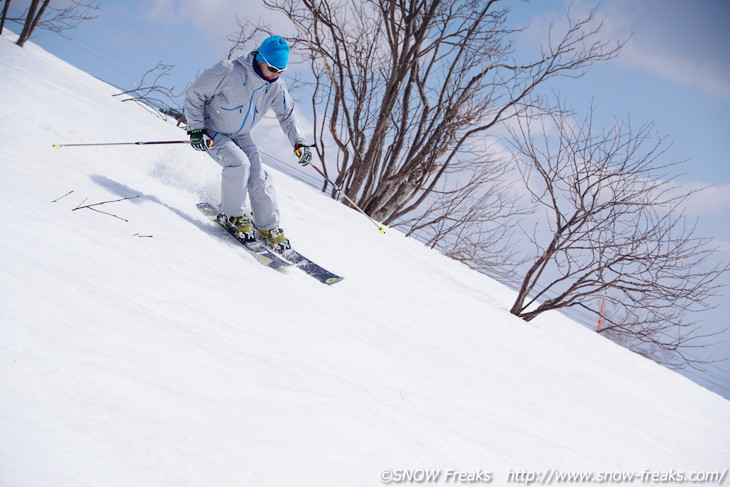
x=248 y=111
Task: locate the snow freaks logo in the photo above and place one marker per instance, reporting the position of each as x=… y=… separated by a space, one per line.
x=422 y=476
x=552 y=476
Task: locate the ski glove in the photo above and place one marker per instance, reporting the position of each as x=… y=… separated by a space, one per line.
x=200 y=140
x=304 y=153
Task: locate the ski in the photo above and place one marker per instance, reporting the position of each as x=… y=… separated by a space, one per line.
x=270 y=258
x=258 y=250
x=312 y=268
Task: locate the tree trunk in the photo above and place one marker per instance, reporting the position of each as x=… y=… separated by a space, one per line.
x=31 y=21
x=5 y=14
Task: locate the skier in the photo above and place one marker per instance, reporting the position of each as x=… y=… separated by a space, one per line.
x=222 y=107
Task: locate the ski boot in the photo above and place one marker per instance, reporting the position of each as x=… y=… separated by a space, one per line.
x=275 y=239
x=240 y=226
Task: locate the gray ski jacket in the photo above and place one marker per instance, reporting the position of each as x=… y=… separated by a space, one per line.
x=230 y=98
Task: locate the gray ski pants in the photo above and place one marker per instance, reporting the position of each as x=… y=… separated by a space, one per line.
x=241 y=174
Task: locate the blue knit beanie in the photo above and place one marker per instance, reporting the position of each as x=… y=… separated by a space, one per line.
x=275 y=51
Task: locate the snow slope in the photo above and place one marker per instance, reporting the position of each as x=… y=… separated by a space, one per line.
x=154 y=352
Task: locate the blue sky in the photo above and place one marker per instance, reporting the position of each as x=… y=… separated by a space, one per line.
x=674 y=71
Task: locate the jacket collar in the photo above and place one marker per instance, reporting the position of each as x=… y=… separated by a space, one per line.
x=249 y=62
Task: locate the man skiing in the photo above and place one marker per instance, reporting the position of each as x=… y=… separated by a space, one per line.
x=222 y=107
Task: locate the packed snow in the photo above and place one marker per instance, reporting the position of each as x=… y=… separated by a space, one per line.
x=142 y=347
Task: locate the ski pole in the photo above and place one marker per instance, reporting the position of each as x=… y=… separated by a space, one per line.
x=59 y=145
x=381 y=228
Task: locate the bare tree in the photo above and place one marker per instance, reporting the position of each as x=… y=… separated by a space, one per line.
x=6 y=7
x=471 y=218
x=153 y=95
x=245 y=35
x=57 y=20
x=402 y=86
x=613 y=230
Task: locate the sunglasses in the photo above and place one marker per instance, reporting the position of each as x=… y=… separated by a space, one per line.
x=271 y=67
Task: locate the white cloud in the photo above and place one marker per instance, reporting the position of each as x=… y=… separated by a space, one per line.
x=667 y=45
x=161 y=10
x=722 y=246
x=680 y=67
x=684 y=42
x=215 y=20
x=712 y=201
